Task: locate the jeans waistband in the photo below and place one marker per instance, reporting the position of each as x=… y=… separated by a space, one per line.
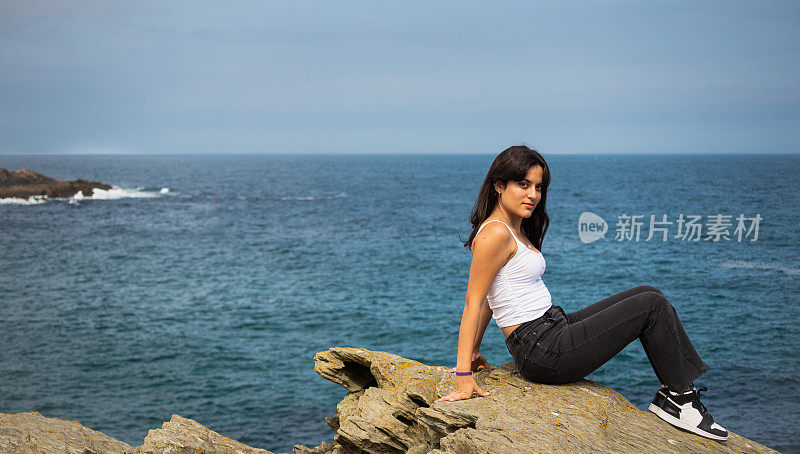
x=549 y=315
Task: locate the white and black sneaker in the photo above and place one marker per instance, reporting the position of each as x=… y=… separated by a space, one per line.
x=685 y=411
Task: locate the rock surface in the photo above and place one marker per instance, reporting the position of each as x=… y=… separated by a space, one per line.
x=32 y=433
x=26 y=183
x=29 y=433
x=390 y=408
x=180 y=435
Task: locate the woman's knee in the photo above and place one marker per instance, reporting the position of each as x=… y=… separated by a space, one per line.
x=659 y=300
x=648 y=288
x=652 y=300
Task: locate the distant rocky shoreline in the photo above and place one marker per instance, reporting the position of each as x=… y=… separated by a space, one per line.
x=390 y=408
x=26 y=183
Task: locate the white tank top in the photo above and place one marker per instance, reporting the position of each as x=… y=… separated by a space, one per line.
x=518 y=293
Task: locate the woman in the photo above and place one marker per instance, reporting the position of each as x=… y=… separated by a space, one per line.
x=548 y=345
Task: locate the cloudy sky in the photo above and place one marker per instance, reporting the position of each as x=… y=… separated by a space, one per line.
x=95 y=76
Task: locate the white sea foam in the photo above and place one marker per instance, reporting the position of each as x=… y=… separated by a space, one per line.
x=32 y=200
x=115 y=193
x=760 y=266
x=118 y=193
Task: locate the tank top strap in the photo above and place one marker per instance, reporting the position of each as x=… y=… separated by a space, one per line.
x=507 y=226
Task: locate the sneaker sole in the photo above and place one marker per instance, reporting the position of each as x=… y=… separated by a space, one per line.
x=683 y=425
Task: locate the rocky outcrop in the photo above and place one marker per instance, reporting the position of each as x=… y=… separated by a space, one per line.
x=390 y=408
x=181 y=435
x=32 y=433
x=26 y=183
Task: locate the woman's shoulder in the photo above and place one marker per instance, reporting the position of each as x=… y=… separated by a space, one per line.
x=494 y=237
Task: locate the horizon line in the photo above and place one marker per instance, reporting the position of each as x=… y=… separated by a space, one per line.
x=411 y=154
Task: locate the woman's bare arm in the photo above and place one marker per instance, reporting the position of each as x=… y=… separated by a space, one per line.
x=490 y=251
x=486 y=315
x=478 y=359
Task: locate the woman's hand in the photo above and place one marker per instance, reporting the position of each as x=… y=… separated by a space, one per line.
x=477 y=361
x=465 y=387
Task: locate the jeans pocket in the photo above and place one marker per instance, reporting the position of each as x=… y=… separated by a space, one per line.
x=537 y=345
x=540 y=362
x=533 y=336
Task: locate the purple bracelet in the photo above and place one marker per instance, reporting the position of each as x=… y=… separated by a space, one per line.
x=463 y=373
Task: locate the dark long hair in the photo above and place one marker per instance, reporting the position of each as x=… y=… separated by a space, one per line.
x=512 y=164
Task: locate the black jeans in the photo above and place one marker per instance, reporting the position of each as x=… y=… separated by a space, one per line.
x=561 y=348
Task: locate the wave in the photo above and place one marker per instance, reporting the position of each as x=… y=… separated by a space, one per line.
x=760 y=266
x=119 y=193
x=324 y=197
x=115 y=193
x=32 y=200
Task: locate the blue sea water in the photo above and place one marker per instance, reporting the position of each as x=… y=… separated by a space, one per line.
x=210 y=300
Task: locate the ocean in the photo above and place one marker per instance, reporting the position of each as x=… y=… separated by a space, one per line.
x=204 y=285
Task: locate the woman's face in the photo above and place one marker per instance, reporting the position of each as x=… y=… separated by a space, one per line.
x=521 y=197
